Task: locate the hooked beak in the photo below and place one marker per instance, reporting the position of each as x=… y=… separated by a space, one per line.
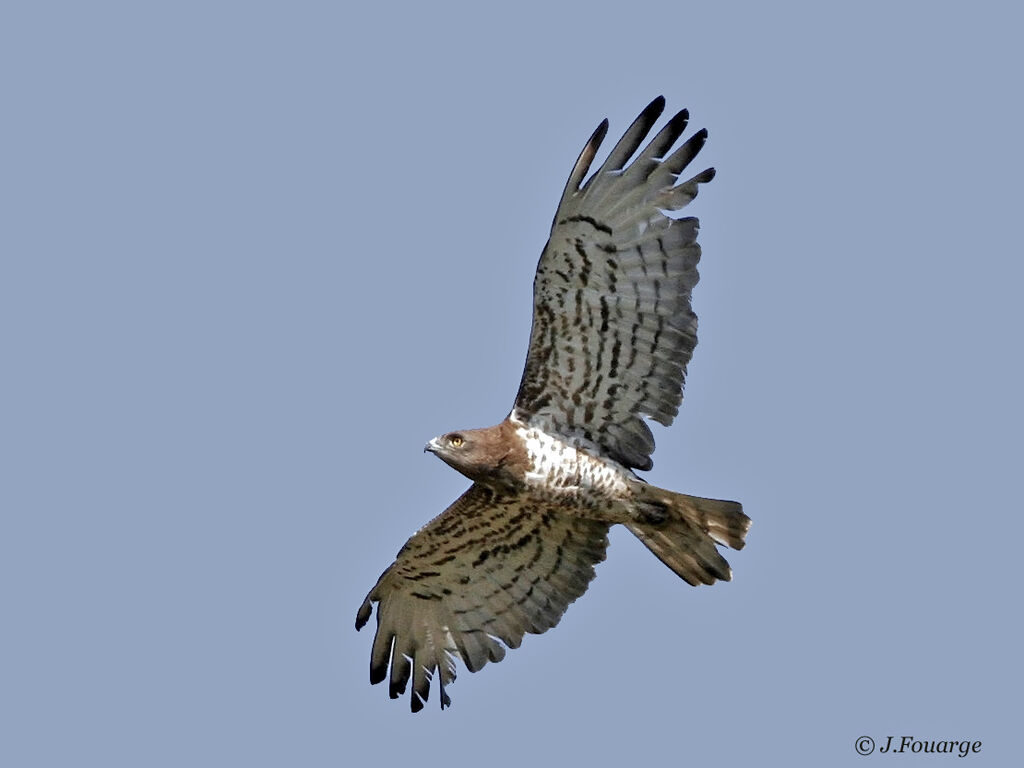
x=431 y=447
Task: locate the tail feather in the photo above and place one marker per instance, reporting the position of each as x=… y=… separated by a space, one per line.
x=682 y=532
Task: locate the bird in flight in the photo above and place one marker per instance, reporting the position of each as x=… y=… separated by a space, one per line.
x=613 y=330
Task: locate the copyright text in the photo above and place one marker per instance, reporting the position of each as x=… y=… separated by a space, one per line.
x=895 y=745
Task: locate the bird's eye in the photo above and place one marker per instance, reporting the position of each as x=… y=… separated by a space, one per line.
x=455 y=441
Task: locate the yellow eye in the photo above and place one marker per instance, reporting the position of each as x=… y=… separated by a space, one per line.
x=455 y=441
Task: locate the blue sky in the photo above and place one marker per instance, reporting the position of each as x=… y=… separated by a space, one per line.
x=255 y=255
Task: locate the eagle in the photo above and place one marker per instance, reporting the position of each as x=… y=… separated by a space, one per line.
x=613 y=331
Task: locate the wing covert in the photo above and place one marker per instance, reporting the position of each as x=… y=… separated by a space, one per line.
x=488 y=568
x=613 y=326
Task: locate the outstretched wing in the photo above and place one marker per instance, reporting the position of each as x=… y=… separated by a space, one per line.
x=488 y=568
x=613 y=328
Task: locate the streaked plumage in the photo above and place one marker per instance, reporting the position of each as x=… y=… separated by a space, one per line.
x=613 y=331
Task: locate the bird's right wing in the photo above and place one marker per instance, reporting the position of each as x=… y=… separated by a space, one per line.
x=489 y=568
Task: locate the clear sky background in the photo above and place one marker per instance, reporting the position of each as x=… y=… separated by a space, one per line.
x=254 y=255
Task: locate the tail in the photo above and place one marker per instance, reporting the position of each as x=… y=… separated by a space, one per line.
x=683 y=530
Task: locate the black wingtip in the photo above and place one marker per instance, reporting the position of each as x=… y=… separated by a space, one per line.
x=414 y=702
x=652 y=111
x=579 y=170
x=363 y=614
x=445 y=698
x=399 y=678
x=705 y=176
x=657 y=103
x=679 y=120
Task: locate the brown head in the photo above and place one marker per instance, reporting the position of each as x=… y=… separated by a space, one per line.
x=494 y=456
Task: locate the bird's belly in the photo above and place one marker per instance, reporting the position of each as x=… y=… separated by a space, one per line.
x=562 y=470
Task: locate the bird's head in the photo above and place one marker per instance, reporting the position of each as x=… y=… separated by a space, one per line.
x=460 y=450
x=482 y=455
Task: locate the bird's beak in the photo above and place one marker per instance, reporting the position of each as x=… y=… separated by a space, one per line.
x=431 y=447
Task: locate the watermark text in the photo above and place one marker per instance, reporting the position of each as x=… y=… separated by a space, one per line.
x=898 y=745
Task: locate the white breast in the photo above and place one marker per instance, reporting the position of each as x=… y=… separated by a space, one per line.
x=559 y=466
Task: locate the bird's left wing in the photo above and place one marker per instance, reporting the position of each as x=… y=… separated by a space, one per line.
x=491 y=567
x=613 y=328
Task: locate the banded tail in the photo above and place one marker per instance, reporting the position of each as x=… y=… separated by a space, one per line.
x=683 y=531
